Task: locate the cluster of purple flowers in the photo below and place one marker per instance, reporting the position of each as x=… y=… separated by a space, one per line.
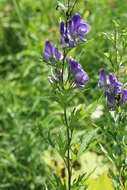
x=74 y=32
x=113 y=89
x=71 y=35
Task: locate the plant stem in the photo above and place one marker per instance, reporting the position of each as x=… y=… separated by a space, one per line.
x=64 y=57
x=68 y=149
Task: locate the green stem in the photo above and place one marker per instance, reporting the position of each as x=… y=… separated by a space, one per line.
x=122 y=179
x=64 y=57
x=68 y=149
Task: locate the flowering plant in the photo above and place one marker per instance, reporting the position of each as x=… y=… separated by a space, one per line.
x=67 y=76
x=114 y=132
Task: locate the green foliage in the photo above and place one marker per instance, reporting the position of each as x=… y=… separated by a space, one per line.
x=29 y=115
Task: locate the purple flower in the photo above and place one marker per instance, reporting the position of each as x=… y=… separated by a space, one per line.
x=77 y=27
x=81 y=78
x=109 y=83
x=113 y=89
x=57 y=53
x=74 y=33
x=62 y=29
x=51 y=53
x=48 y=51
x=111 y=98
x=74 y=65
x=114 y=84
x=124 y=94
x=103 y=79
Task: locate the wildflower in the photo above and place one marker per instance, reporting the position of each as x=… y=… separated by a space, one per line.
x=77 y=27
x=74 y=65
x=81 y=78
x=124 y=94
x=74 y=32
x=103 y=80
x=109 y=83
x=116 y=96
x=111 y=98
x=114 y=84
x=51 y=53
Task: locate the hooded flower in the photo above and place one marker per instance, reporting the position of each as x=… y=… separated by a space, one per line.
x=124 y=94
x=109 y=83
x=77 y=27
x=81 y=78
x=74 y=65
x=74 y=33
x=113 y=89
x=103 y=80
x=114 y=84
x=51 y=53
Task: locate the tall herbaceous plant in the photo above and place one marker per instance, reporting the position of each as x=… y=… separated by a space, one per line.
x=67 y=76
x=114 y=88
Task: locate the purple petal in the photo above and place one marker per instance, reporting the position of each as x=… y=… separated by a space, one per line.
x=63 y=43
x=110 y=98
x=76 y=20
x=81 y=78
x=74 y=66
x=46 y=57
x=124 y=94
x=113 y=80
x=103 y=79
x=103 y=75
x=48 y=48
x=58 y=54
x=114 y=84
x=83 y=29
x=71 y=26
x=72 y=43
x=62 y=28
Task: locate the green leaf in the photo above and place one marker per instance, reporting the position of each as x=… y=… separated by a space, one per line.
x=87 y=140
x=110 y=157
x=79 y=183
x=61 y=142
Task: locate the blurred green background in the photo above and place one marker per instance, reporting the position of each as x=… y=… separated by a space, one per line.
x=26 y=110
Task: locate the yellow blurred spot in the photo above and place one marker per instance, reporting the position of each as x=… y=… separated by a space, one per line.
x=101 y=183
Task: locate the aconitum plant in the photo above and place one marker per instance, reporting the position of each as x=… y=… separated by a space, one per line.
x=114 y=132
x=67 y=76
